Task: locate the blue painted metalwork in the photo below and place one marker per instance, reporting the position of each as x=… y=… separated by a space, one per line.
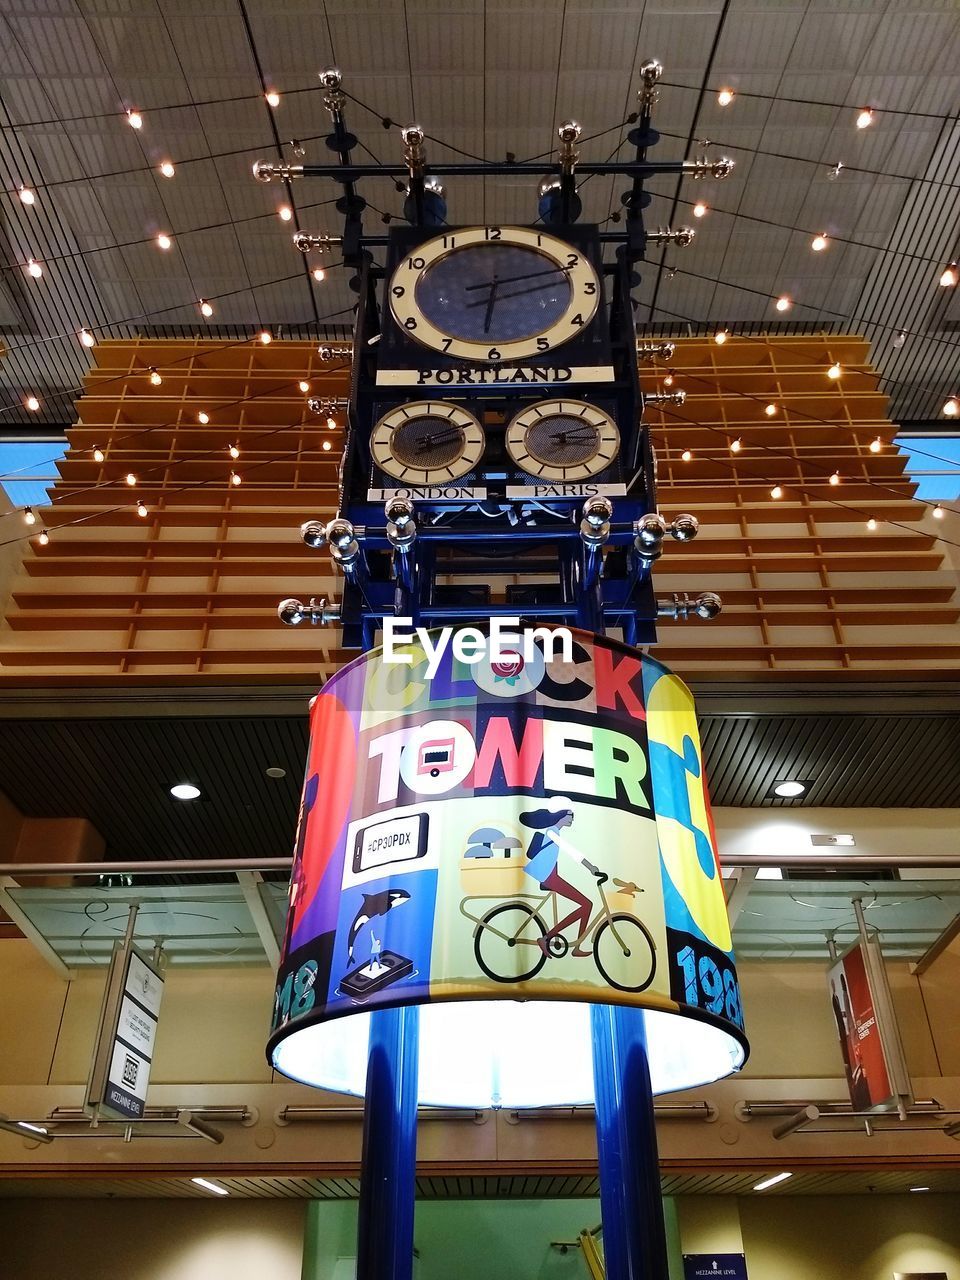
x=634 y=1235
x=389 y=1162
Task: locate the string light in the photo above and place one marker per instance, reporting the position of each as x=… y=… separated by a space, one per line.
x=234 y=451
x=871 y=524
x=285 y=212
x=266 y=337
x=834 y=372
x=834 y=173
x=865 y=118
x=952 y=407
x=235 y=479
x=130 y=478
x=668 y=380
x=725 y=97
x=272 y=97
x=87 y=338
x=203 y=417
x=32 y=403
x=876 y=445
x=818 y=243
x=720 y=337
x=900 y=339
x=937 y=513
x=736 y=445
x=331 y=424
x=326 y=446
x=163 y=240
x=134 y=119
x=28 y=516
x=27 y=195
x=949 y=277
x=699 y=209
x=686 y=456
x=776 y=491
x=205 y=308
x=97 y=453
x=835 y=478
x=318 y=274
x=155 y=378
x=770 y=410
x=142 y=510
x=34 y=269
x=304 y=387
x=44 y=538
x=784 y=303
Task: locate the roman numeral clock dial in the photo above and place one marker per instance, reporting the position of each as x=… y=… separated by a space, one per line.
x=562 y=440
x=492 y=294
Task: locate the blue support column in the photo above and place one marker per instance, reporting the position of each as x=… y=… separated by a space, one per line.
x=389 y=1161
x=634 y=1238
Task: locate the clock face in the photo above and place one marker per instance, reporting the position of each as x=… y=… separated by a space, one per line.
x=427 y=442
x=562 y=440
x=488 y=294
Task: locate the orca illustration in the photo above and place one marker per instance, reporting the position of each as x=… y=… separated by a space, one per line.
x=373 y=905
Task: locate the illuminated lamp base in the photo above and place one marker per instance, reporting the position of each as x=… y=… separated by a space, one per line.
x=506 y=1053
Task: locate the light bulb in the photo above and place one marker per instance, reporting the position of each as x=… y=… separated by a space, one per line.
x=834 y=372
x=318 y=274
x=142 y=510
x=668 y=380
x=205 y=308
x=266 y=337
x=134 y=119
x=273 y=98
x=234 y=451
x=699 y=209
x=203 y=417
x=299 y=150
x=163 y=240
x=835 y=478
x=331 y=424
x=871 y=524
x=285 y=212
x=818 y=243
x=28 y=516
x=130 y=478
x=736 y=445
x=155 y=378
x=34 y=269
x=865 y=118
x=32 y=403
x=949 y=277
x=686 y=456
x=27 y=195
x=235 y=479
x=725 y=97
x=776 y=492
x=900 y=339
x=876 y=445
x=167 y=169
x=833 y=173
x=44 y=538
x=952 y=407
x=720 y=337
x=770 y=410
x=326 y=446
x=304 y=387
x=784 y=303
x=937 y=513
x=87 y=338
x=97 y=454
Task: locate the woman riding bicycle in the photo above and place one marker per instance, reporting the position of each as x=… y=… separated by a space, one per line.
x=543 y=855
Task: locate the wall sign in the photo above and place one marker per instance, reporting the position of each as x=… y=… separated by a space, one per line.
x=535 y=830
x=708 y=1266
x=125 y=1039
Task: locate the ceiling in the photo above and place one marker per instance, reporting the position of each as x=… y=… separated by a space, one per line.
x=488 y=77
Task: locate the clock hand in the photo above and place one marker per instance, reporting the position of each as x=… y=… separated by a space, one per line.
x=517 y=293
x=491 y=303
x=530 y=275
x=429 y=442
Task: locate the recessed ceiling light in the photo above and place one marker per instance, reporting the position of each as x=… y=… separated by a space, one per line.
x=772 y=1182
x=919 y=1188
x=789 y=788
x=184 y=791
x=211 y=1186
x=276 y=772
